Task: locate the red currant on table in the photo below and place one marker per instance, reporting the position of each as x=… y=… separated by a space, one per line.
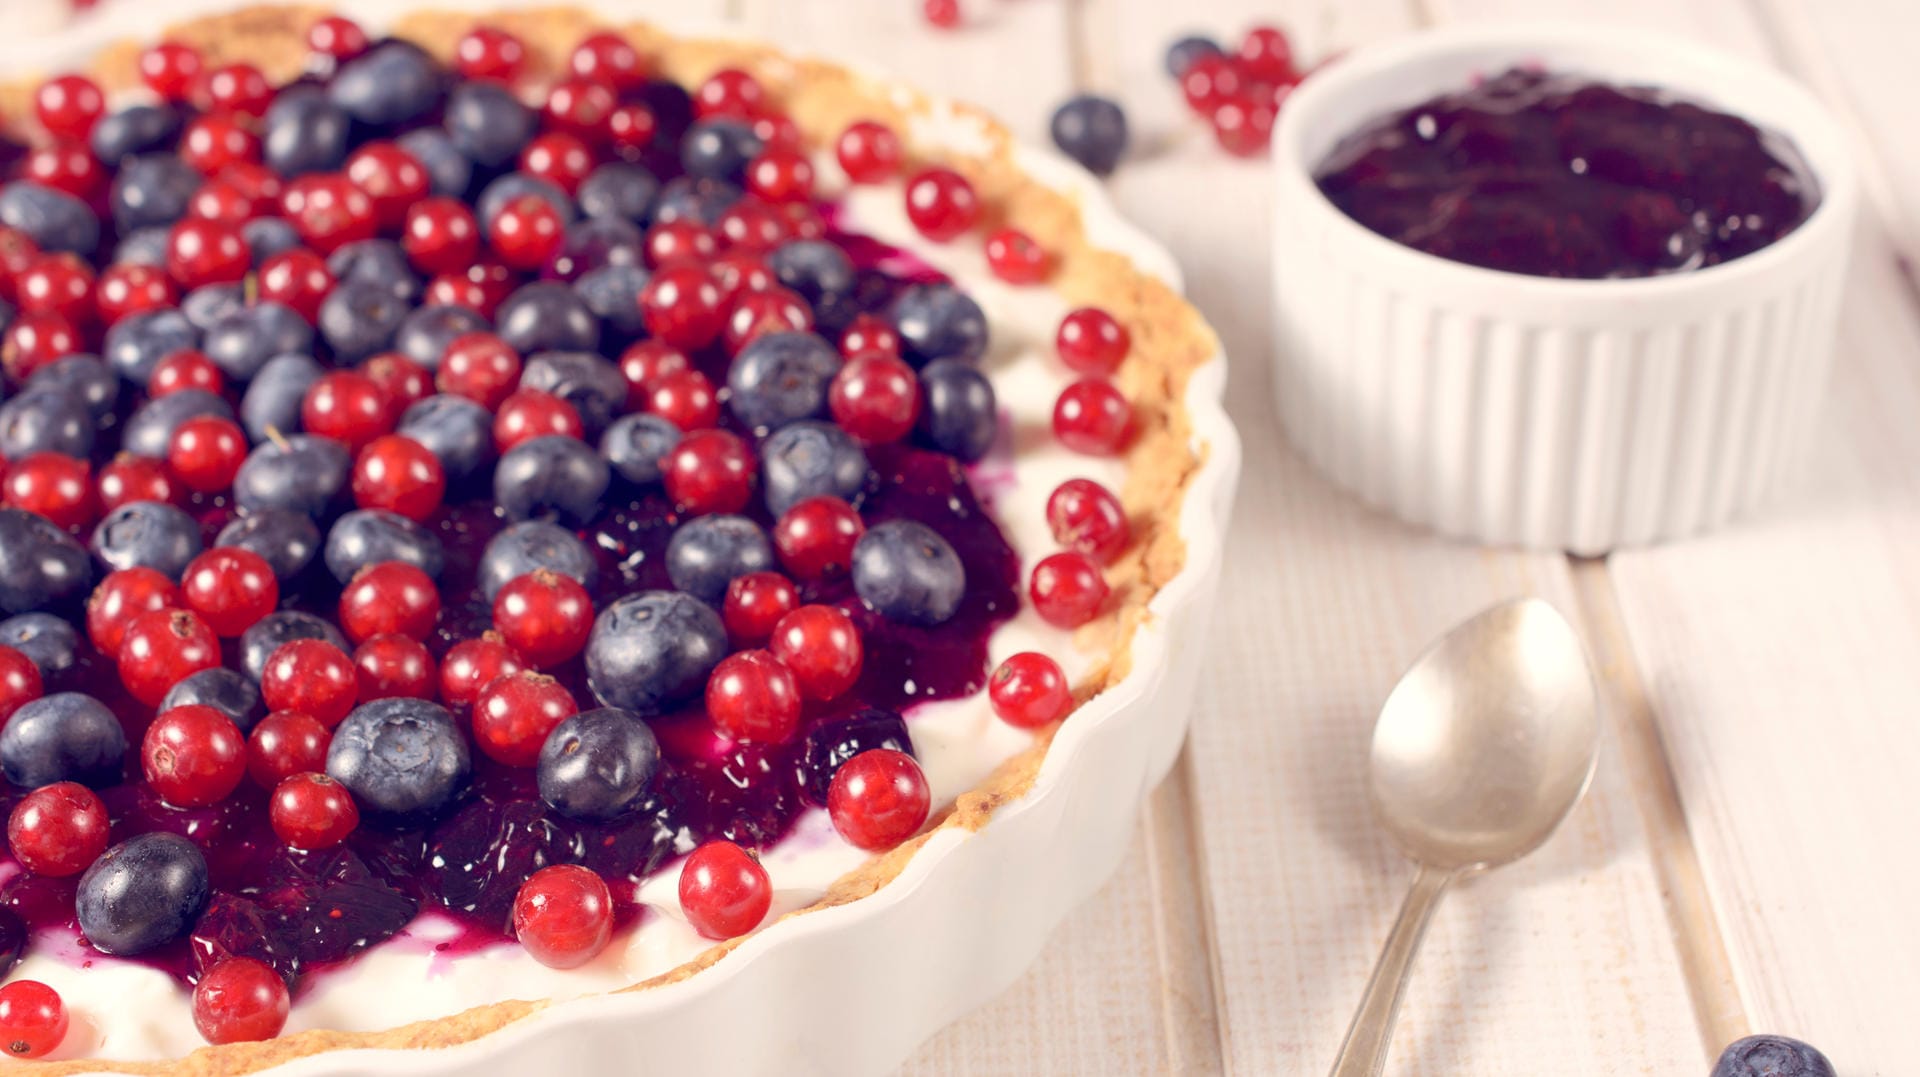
x=681 y=306
x=284 y=744
x=1085 y=516
x=472 y=664
x=1015 y=258
x=534 y=413
x=393 y=665
x=188 y=369
x=392 y=596
x=310 y=677
x=230 y=588
x=33 y=1020
x=440 y=235
x=170 y=69
x=130 y=289
x=822 y=647
x=312 y=811
x=489 y=53
x=580 y=106
x=392 y=179
x=526 y=232
x=54 y=485
x=559 y=158
x=755 y=603
x=193 y=756
x=240 y=1000
x=348 y=407
x=400 y=475
x=878 y=799
x=941 y=203
x=751 y=696
x=58 y=829
x=544 y=616
x=337 y=36
x=123 y=595
x=201 y=252
x=20 y=682
x=709 y=471
x=1092 y=417
x=815 y=538
x=876 y=398
x=1067 y=589
x=869 y=152
x=134 y=478
x=1029 y=690
x=607 y=57
x=68 y=105
x=297 y=278
x=729 y=92
x=162 y=647
x=685 y=398
x=724 y=892
x=206 y=452
x=563 y=915
x=513 y=714
x=1090 y=341
x=481 y=367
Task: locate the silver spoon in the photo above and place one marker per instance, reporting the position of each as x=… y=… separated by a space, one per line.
x=1483 y=747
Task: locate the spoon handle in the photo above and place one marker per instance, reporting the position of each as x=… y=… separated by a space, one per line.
x=1364 y=1054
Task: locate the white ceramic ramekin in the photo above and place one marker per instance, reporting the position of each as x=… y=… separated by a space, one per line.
x=1572 y=414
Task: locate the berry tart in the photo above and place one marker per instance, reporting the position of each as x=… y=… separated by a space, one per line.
x=510 y=519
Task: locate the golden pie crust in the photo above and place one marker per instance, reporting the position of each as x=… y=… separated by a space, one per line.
x=1170 y=341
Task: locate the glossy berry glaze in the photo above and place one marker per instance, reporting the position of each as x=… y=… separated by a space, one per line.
x=1557 y=176
x=303 y=912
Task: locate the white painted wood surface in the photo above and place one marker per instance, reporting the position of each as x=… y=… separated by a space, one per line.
x=1740 y=863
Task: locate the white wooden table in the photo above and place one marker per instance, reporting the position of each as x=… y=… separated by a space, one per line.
x=1743 y=860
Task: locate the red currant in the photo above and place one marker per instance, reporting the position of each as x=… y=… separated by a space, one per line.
x=631 y=129
x=34 y=340
x=729 y=92
x=328 y=211
x=124 y=594
x=58 y=829
x=751 y=696
x=1090 y=341
x=559 y=158
x=644 y=364
x=681 y=240
x=869 y=152
x=33 y=1020
x=878 y=799
x=193 y=756
x=201 y=252
x=607 y=57
x=66 y=166
x=526 y=232
x=170 y=69
x=869 y=335
x=777 y=131
x=472 y=664
x=738 y=272
x=757 y=314
x=162 y=647
x=724 y=892
x=489 y=53
x=822 y=647
x=1029 y=690
x=681 y=306
x=185 y=370
x=755 y=603
x=563 y=915
x=130 y=289
x=54 y=485
x=297 y=278
x=1067 y=589
x=222 y=203
x=944 y=14
x=1015 y=258
x=230 y=588
x=875 y=398
x=544 y=616
x=1243 y=125
x=815 y=538
x=580 y=106
x=513 y=714
x=1267 y=55
x=206 y=452
x=400 y=475
x=709 y=471
x=1210 y=81
x=240 y=1000
x=404 y=381
x=752 y=226
x=392 y=179
x=336 y=36
x=348 y=407
x=312 y=811
x=56 y=284
x=1085 y=516
x=284 y=744
x=532 y=413
x=1093 y=418
x=941 y=203
x=19 y=682
x=482 y=286
x=686 y=399
x=235 y=88
x=134 y=478
x=390 y=666
x=781 y=175
x=392 y=596
x=212 y=142
x=440 y=235
x=68 y=105
x=310 y=677
x=481 y=367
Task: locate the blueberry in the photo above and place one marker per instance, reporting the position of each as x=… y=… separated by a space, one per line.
x=595 y=243
x=306 y=132
x=54 y=220
x=634 y=444
x=1772 y=1056
x=448 y=170
x=143 y=247
x=83 y=377
x=137 y=342
x=142 y=893
x=593 y=385
x=284 y=539
x=612 y=293
x=359 y=319
x=151 y=190
x=906 y=572
x=653 y=650
x=1182 y=53
x=64 y=737
x=781 y=377
x=719 y=149
x=423 y=335
x=938 y=321
x=147 y=533
x=830 y=744
x=296 y=472
x=135 y=129
x=375 y=261
x=225 y=690
x=1091 y=130
x=211 y=304
x=369 y=536
x=707 y=553
x=487 y=123
x=497 y=194
x=547 y=316
x=46 y=418
x=596 y=764
x=48 y=639
x=391 y=84
x=149 y=429
x=40 y=563
x=817 y=270
x=554 y=473
x=279 y=628
x=273 y=398
x=958 y=413
x=619 y=191
x=810 y=459
x=241 y=343
x=268 y=236
x=403 y=759
x=524 y=547
x=453 y=428
x=697 y=198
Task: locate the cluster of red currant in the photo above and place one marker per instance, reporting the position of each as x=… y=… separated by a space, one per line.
x=1238 y=93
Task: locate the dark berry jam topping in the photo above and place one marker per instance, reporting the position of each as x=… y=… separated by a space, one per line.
x=1553 y=175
